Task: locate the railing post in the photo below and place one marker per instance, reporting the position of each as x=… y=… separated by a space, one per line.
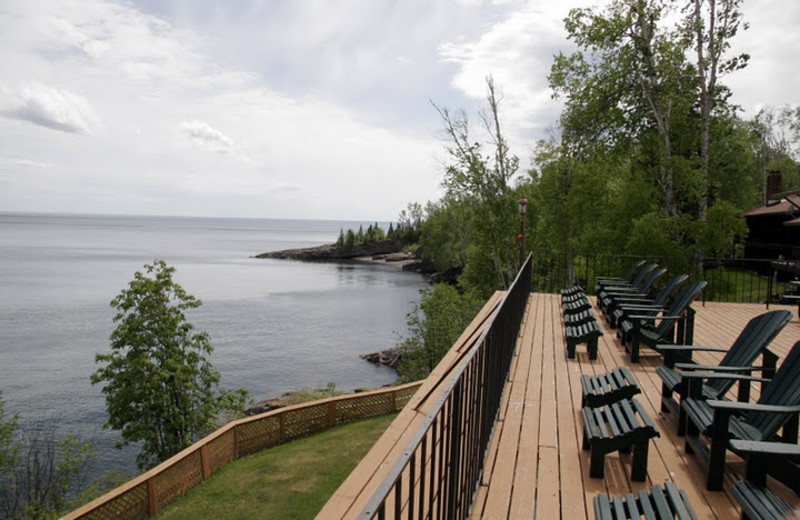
x=204 y=462
x=332 y=414
x=152 y=496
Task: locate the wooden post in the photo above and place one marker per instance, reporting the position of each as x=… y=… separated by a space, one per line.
x=331 y=414
x=152 y=496
x=204 y=462
x=281 y=426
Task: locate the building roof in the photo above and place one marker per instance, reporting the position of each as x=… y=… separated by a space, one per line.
x=787 y=206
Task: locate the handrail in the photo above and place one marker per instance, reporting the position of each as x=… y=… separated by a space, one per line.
x=443 y=462
x=146 y=494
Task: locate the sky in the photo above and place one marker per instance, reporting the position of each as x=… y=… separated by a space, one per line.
x=287 y=109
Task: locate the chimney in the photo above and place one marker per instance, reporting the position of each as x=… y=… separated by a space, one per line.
x=774 y=186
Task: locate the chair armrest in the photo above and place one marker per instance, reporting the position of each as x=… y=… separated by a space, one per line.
x=656 y=316
x=720 y=375
x=783 y=449
x=642 y=307
x=689 y=348
x=634 y=299
x=751 y=407
x=608 y=287
x=717 y=368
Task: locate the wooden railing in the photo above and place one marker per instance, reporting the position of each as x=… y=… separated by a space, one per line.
x=145 y=495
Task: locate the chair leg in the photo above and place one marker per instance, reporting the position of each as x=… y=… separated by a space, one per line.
x=682 y=422
x=639 y=463
x=597 y=461
x=665 y=393
x=634 y=342
x=634 y=350
x=570 y=349
x=716 y=455
x=592 y=347
x=716 y=465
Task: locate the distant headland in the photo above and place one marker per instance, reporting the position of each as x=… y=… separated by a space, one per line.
x=383 y=252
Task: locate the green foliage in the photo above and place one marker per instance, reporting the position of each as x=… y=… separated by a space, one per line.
x=160 y=388
x=434 y=324
x=446 y=234
x=722 y=235
x=38 y=471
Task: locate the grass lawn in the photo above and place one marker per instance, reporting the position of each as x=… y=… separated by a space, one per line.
x=293 y=480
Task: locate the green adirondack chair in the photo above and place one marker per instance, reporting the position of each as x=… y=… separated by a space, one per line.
x=721 y=421
x=751 y=342
x=654 y=328
x=617 y=311
x=628 y=278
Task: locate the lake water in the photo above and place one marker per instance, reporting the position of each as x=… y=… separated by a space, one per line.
x=275 y=324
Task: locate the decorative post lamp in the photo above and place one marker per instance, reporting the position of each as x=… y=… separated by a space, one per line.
x=523 y=205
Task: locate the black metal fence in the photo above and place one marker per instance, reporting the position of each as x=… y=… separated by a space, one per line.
x=443 y=463
x=732 y=280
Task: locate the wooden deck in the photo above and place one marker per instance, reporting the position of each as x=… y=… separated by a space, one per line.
x=536 y=467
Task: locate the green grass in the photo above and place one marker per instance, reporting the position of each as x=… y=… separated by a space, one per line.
x=293 y=480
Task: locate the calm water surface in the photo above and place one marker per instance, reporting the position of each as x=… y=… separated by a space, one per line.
x=276 y=325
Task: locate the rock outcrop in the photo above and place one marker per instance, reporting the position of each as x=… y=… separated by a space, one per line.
x=332 y=252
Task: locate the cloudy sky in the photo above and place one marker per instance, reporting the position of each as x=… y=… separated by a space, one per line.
x=285 y=109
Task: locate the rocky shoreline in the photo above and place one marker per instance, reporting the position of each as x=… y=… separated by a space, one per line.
x=383 y=252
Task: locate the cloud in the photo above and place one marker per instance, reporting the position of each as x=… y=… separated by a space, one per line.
x=53 y=108
x=17 y=162
x=207 y=136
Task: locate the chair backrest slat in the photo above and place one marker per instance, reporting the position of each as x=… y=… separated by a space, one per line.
x=681 y=302
x=782 y=390
x=666 y=292
x=754 y=338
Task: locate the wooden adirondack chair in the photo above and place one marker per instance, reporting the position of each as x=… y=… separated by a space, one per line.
x=628 y=278
x=607 y=296
x=660 y=300
x=637 y=281
x=756 y=500
x=652 y=329
x=752 y=341
x=722 y=421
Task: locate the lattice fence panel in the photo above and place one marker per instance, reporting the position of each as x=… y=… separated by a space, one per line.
x=131 y=505
x=364 y=406
x=221 y=451
x=404 y=396
x=305 y=421
x=179 y=478
x=257 y=435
